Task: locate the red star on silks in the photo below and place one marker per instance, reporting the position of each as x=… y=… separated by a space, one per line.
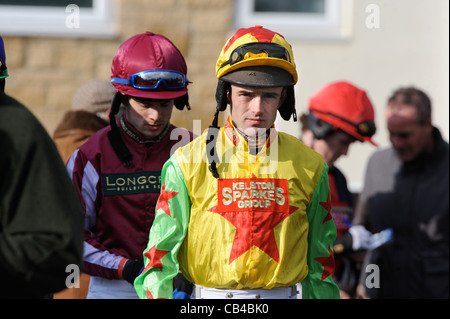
x=154 y=258
x=255 y=228
x=327 y=263
x=254 y=224
x=327 y=206
x=164 y=198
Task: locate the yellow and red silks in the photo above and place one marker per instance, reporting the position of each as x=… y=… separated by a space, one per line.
x=264 y=223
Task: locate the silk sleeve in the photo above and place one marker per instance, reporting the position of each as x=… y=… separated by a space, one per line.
x=319 y=283
x=97 y=260
x=166 y=236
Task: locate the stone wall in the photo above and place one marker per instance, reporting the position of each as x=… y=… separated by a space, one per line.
x=46 y=71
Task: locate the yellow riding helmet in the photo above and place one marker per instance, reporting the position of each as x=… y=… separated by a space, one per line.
x=255 y=47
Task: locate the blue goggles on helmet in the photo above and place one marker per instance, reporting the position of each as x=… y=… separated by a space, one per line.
x=155 y=80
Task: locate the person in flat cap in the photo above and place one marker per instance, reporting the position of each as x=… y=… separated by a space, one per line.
x=94 y=96
x=91 y=105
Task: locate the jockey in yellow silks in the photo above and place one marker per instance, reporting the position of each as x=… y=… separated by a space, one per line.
x=254 y=220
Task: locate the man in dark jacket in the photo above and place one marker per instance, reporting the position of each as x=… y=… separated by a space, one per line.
x=41 y=230
x=406 y=189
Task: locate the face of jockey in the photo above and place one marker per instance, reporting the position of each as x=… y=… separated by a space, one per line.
x=150 y=117
x=331 y=147
x=254 y=108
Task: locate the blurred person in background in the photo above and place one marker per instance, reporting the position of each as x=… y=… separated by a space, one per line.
x=406 y=189
x=340 y=114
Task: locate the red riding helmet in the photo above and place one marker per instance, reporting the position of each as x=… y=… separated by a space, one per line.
x=149 y=65
x=341 y=105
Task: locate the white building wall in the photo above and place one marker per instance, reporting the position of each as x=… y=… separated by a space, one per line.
x=410 y=46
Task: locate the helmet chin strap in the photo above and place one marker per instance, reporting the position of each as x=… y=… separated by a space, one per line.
x=213 y=130
x=114 y=134
x=287 y=108
x=181 y=102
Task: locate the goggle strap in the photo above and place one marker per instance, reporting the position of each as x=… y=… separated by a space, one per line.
x=121 y=81
x=348 y=122
x=255 y=44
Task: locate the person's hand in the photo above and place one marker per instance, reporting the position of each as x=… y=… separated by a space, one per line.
x=360 y=237
x=132 y=269
x=182 y=288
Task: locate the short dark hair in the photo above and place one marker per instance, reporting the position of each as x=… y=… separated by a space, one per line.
x=415 y=97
